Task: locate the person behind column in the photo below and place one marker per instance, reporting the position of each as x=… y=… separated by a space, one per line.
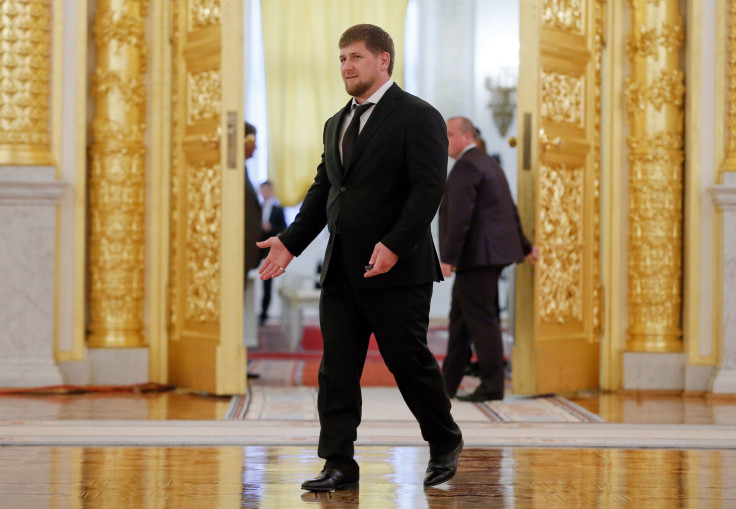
x=253 y=227
x=253 y=211
x=480 y=233
x=273 y=223
x=377 y=189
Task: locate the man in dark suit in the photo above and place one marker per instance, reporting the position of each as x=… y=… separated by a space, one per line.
x=377 y=194
x=480 y=233
x=253 y=212
x=273 y=222
x=253 y=229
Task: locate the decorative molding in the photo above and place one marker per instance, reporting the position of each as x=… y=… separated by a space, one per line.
x=31 y=193
x=25 y=82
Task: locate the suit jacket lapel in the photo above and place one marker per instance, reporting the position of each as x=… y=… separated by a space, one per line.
x=381 y=111
x=332 y=151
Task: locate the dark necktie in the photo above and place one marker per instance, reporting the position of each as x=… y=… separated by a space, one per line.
x=351 y=133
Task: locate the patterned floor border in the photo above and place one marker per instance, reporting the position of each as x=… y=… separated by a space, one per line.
x=385 y=403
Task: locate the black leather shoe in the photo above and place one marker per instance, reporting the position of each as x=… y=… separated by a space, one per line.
x=480 y=396
x=331 y=479
x=443 y=467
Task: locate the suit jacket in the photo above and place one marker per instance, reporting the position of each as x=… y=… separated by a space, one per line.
x=277 y=220
x=479 y=222
x=253 y=226
x=389 y=193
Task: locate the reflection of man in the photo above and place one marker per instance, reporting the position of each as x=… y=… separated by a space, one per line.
x=377 y=194
x=273 y=222
x=480 y=233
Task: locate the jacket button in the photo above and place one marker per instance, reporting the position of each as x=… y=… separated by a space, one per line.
x=343 y=189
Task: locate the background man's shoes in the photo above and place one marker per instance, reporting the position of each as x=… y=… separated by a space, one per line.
x=443 y=467
x=331 y=479
x=480 y=396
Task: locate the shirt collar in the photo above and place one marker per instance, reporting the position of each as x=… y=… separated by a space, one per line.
x=462 y=152
x=376 y=95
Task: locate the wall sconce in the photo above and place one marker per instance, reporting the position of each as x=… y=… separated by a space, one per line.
x=503 y=97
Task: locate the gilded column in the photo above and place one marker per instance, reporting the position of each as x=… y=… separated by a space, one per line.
x=25 y=82
x=117 y=185
x=654 y=94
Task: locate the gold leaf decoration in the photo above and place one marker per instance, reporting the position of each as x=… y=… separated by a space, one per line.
x=561 y=241
x=204 y=230
x=562 y=97
x=204 y=100
x=566 y=15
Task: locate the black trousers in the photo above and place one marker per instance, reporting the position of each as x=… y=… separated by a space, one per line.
x=266 y=300
x=399 y=318
x=475 y=320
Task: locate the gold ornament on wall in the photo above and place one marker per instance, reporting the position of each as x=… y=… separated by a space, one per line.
x=25 y=82
x=117 y=185
x=654 y=97
x=502 y=86
x=561 y=234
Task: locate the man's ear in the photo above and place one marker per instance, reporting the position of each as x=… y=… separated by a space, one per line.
x=385 y=60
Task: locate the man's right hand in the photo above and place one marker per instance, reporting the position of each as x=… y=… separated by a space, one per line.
x=277 y=260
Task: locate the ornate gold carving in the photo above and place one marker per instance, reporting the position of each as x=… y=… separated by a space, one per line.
x=204 y=13
x=651 y=42
x=117 y=241
x=561 y=240
x=562 y=97
x=117 y=183
x=204 y=230
x=204 y=95
x=654 y=94
x=598 y=43
x=564 y=15
x=655 y=244
x=731 y=144
x=25 y=77
x=666 y=88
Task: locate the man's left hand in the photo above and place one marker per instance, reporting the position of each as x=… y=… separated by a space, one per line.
x=446 y=269
x=382 y=260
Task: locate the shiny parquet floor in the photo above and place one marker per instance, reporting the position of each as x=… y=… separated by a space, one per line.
x=269 y=476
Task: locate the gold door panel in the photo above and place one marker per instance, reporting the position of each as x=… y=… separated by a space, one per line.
x=205 y=349
x=557 y=345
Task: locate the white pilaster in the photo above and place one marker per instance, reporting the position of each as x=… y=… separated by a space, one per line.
x=724 y=197
x=28 y=198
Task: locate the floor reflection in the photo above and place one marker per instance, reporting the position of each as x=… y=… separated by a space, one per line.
x=391 y=477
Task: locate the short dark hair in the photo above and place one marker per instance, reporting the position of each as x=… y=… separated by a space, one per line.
x=376 y=40
x=249 y=129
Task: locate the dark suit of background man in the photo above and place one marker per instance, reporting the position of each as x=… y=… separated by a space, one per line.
x=480 y=233
x=273 y=222
x=378 y=205
x=253 y=227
